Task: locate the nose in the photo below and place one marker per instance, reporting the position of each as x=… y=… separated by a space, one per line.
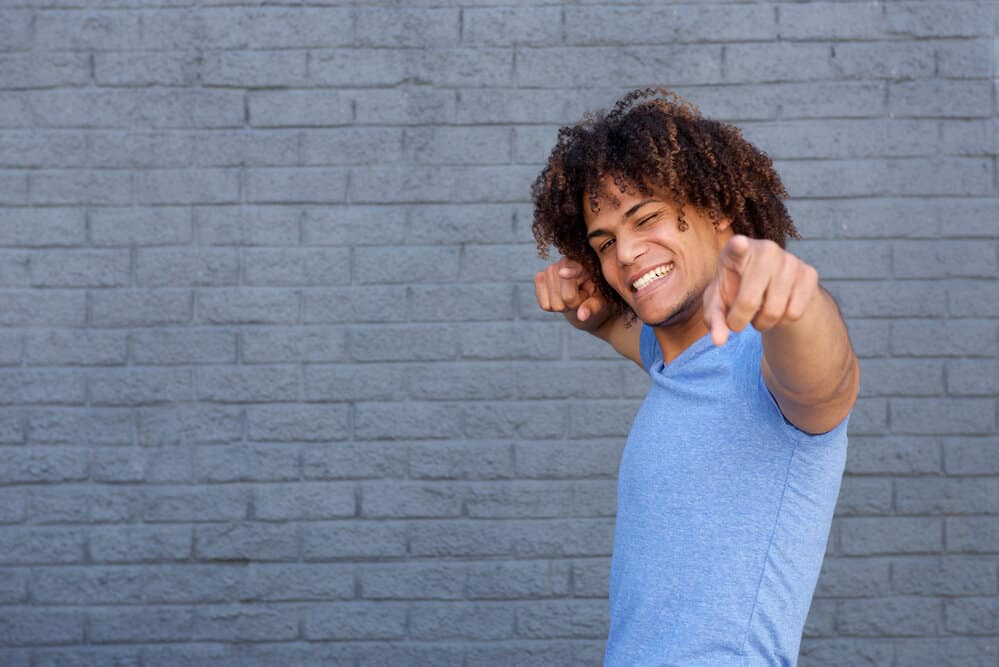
x=629 y=249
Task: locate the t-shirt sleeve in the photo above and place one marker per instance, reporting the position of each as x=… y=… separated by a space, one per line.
x=649 y=348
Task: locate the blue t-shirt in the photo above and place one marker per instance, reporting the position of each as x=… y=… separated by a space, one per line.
x=723 y=515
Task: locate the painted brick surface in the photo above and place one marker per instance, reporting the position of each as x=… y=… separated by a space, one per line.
x=274 y=388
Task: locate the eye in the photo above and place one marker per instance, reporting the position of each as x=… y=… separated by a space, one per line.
x=644 y=220
x=606 y=244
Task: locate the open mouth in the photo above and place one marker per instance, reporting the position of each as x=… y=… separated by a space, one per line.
x=652 y=279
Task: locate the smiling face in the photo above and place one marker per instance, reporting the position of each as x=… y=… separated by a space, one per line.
x=659 y=271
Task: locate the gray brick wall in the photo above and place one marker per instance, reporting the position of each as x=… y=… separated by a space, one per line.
x=274 y=389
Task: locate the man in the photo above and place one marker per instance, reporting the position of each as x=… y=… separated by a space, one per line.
x=672 y=230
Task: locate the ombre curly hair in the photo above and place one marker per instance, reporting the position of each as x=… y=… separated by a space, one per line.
x=653 y=138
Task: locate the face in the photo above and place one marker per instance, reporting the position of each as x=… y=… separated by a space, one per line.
x=658 y=270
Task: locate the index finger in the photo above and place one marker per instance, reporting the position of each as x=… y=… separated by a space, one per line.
x=569 y=268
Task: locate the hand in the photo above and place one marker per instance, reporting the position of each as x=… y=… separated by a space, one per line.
x=565 y=287
x=756 y=281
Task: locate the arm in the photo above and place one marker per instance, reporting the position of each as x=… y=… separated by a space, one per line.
x=564 y=287
x=808 y=363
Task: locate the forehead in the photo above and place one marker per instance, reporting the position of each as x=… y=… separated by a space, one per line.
x=612 y=203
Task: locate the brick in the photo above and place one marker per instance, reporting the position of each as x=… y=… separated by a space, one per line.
x=134 y=386
x=246 y=540
x=946 y=575
x=517 y=419
x=249 y=226
x=943 y=98
x=910 y=298
x=141 y=149
x=970 y=137
x=362 y=382
x=237 y=463
x=160 y=225
x=845 y=138
x=311 y=266
x=172 y=504
x=972 y=534
x=526 y=654
x=23 y=386
x=864 y=496
x=502 y=105
x=362 y=67
x=467 y=223
x=146 y=69
x=899 y=616
x=15 y=33
x=501 y=263
x=368 y=620
x=403 y=105
x=88 y=30
x=352 y=146
x=356 y=304
x=149 y=624
x=939 y=19
x=357 y=539
x=139 y=109
x=405 y=265
x=849 y=651
x=510 y=26
x=893 y=455
x=555 y=460
x=395 y=27
x=79 y=347
x=516 y=580
x=971 y=615
x=947 y=651
x=183 y=346
x=223 y=148
x=949 y=337
x=201 y=186
x=29 y=545
x=854 y=577
x=970 y=456
x=299 y=501
x=510 y=340
x=905 y=377
x=42 y=149
x=80 y=187
x=943 y=259
x=299 y=108
x=42 y=227
x=943 y=416
x=254 y=69
x=899 y=176
x=879 y=60
x=600 y=418
x=16 y=110
x=81 y=268
x=130 y=544
x=972 y=377
x=422 y=342
x=972 y=299
x=260 y=27
x=56 y=504
x=292 y=581
x=415 y=419
x=43 y=308
x=437 y=184
x=14 y=586
x=845 y=259
x=457 y=145
x=242 y=623
x=186 y=267
x=862 y=536
x=521 y=499
x=411 y=499
x=965 y=59
x=296 y=422
x=821 y=619
x=705 y=23
x=84 y=425
x=246 y=306
x=165 y=655
x=460 y=460
x=247 y=383
x=621 y=66
x=929 y=495
x=284 y=345
x=354 y=225
x=429 y=581
x=184 y=424
x=321 y=185
x=351 y=460
x=461 y=302
x=41 y=626
x=126 y=308
x=462 y=621
x=830 y=20
x=563 y=618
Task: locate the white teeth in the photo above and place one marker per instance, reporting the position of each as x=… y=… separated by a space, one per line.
x=654 y=274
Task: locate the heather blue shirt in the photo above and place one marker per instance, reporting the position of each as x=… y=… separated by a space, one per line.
x=723 y=515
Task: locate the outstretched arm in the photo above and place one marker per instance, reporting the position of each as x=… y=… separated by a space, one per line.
x=565 y=287
x=808 y=362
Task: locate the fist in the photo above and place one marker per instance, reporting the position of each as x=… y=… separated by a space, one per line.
x=566 y=287
x=756 y=281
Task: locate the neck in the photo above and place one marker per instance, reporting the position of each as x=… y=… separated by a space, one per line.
x=676 y=336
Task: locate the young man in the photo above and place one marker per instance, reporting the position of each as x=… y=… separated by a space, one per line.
x=672 y=230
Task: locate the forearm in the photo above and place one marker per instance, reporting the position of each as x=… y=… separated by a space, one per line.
x=811 y=359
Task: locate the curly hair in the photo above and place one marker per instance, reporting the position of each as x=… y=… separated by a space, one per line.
x=653 y=138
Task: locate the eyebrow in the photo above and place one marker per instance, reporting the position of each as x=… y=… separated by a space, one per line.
x=627 y=214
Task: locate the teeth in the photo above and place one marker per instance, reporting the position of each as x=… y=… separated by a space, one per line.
x=654 y=274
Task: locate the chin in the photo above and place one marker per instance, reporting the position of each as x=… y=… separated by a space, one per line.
x=675 y=315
